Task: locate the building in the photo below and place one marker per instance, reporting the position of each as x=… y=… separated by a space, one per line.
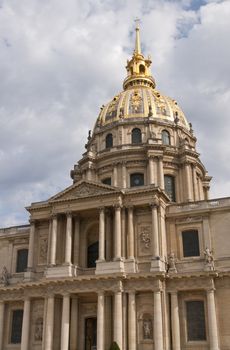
x=133 y=251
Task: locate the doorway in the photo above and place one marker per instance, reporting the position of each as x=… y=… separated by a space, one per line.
x=91 y=333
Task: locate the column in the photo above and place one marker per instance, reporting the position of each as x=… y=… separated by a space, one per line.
x=115 y=175
x=65 y=322
x=158 y=331
x=30 y=263
x=108 y=240
x=2 y=321
x=195 y=185
x=212 y=322
x=124 y=182
x=188 y=181
x=68 y=240
x=130 y=234
x=26 y=325
x=123 y=233
x=102 y=234
x=53 y=247
x=49 y=324
x=117 y=331
x=100 y=321
x=132 y=321
x=76 y=240
x=175 y=322
x=151 y=171
x=74 y=323
x=117 y=233
x=155 y=232
x=125 y=320
x=161 y=173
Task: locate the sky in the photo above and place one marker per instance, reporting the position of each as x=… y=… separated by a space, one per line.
x=61 y=60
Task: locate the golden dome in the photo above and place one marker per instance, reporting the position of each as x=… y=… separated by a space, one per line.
x=140 y=99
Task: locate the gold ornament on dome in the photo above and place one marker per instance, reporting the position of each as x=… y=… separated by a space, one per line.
x=136 y=101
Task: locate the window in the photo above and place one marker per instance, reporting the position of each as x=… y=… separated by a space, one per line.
x=107 y=181
x=92 y=254
x=142 y=69
x=22 y=257
x=136 y=136
x=170 y=187
x=16 y=328
x=195 y=317
x=109 y=141
x=136 y=179
x=165 y=137
x=190 y=240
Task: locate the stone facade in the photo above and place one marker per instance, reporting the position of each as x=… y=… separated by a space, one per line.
x=133 y=251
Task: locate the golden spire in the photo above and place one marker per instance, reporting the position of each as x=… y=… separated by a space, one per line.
x=138 y=41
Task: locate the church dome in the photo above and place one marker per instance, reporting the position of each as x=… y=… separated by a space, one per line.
x=140 y=99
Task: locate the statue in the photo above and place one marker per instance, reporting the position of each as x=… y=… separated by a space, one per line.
x=209 y=260
x=172 y=262
x=147 y=329
x=4 y=277
x=38 y=329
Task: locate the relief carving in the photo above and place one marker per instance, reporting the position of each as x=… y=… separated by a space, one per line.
x=38 y=330
x=145 y=236
x=43 y=249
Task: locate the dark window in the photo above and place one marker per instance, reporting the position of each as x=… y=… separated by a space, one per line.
x=142 y=69
x=109 y=141
x=136 y=179
x=195 y=320
x=107 y=181
x=22 y=257
x=136 y=136
x=92 y=255
x=16 y=329
x=90 y=333
x=165 y=137
x=170 y=187
x=190 y=241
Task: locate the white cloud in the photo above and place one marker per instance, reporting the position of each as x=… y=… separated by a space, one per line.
x=60 y=61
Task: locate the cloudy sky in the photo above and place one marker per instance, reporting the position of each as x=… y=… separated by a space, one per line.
x=61 y=60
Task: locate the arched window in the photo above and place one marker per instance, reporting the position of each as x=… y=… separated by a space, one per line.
x=165 y=137
x=92 y=254
x=136 y=179
x=22 y=257
x=136 y=136
x=109 y=141
x=142 y=69
x=170 y=187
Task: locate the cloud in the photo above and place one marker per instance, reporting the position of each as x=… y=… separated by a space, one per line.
x=59 y=62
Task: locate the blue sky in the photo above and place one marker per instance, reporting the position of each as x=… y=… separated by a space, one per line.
x=60 y=61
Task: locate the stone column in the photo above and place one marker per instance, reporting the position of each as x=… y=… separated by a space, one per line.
x=53 y=247
x=188 y=181
x=125 y=320
x=161 y=173
x=117 y=233
x=74 y=323
x=102 y=234
x=65 y=322
x=155 y=232
x=195 y=185
x=2 y=321
x=151 y=171
x=49 y=324
x=100 y=321
x=132 y=321
x=123 y=233
x=115 y=174
x=68 y=240
x=26 y=325
x=108 y=233
x=212 y=322
x=117 y=331
x=124 y=182
x=30 y=264
x=175 y=321
x=76 y=240
x=130 y=234
x=158 y=331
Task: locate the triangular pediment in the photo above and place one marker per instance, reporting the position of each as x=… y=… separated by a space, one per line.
x=84 y=189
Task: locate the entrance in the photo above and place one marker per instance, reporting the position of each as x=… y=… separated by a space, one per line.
x=91 y=333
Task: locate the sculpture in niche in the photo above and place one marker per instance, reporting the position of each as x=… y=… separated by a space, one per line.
x=38 y=329
x=147 y=328
x=172 y=262
x=145 y=236
x=209 y=260
x=4 y=277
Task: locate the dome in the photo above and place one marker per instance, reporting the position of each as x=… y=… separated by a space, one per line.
x=142 y=102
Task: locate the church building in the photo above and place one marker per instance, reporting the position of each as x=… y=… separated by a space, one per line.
x=133 y=252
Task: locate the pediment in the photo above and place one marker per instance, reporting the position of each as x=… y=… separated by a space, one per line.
x=83 y=189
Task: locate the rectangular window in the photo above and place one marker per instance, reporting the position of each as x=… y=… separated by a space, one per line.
x=195 y=320
x=190 y=241
x=16 y=328
x=22 y=257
